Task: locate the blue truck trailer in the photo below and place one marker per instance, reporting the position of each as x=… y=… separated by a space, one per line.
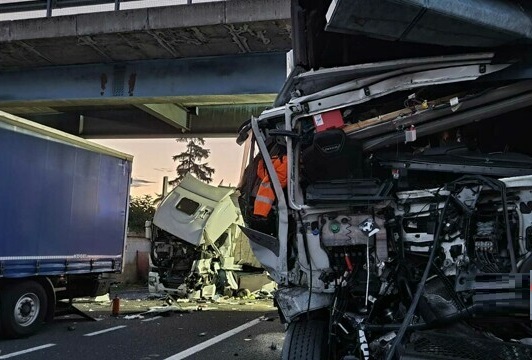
x=64 y=206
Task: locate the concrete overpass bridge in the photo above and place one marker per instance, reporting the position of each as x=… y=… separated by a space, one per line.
x=181 y=70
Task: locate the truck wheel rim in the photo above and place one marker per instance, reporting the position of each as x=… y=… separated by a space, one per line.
x=27 y=309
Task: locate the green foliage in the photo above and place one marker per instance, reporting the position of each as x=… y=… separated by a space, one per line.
x=191 y=161
x=141 y=208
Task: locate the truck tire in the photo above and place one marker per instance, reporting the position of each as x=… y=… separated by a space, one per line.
x=23 y=308
x=306 y=340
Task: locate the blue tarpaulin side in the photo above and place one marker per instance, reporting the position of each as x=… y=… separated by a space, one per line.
x=63 y=208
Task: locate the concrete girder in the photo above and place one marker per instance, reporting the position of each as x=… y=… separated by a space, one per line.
x=176 y=31
x=131 y=122
x=169 y=113
x=137 y=82
x=153 y=18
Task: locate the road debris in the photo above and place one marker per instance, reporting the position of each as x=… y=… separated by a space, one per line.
x=131 y=317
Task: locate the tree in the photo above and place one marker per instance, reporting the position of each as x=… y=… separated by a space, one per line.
x=141 y=208
x=191 y=161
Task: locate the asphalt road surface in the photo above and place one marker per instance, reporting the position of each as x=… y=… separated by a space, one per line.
x=218 y=334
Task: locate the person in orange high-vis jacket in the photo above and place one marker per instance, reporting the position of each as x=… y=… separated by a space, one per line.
x=265 y=194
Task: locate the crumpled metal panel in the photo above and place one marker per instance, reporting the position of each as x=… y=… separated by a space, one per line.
x=476 y=23
x=295 y=301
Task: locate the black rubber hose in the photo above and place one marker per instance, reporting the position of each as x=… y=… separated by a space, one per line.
x=420 y=287
x=449 y=288
x=501 y=186
x=476 y=309
x=309 y=261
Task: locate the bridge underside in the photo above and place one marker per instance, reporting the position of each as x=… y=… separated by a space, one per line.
x=130 y=121
x=181 y=70
x=207 y=97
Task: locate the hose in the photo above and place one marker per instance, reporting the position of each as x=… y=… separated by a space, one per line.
x=420 y=288
x=307 y=254
x=468 y=312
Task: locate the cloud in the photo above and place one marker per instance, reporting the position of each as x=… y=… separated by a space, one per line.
x=141 y=182
x=165 y=170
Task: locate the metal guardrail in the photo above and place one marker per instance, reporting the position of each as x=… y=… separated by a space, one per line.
x=49 y=5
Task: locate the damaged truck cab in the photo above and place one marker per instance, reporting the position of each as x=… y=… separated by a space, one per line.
x=198 y=249
x=407 y=209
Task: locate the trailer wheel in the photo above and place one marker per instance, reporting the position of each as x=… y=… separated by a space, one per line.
x=22 y=308
x=306 y=339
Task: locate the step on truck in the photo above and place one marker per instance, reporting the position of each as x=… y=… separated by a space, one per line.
x=64 y=207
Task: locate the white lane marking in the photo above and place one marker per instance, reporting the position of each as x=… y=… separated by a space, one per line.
x=105 y=330
x=151 y=319
x=214 y=340
x=22 y=352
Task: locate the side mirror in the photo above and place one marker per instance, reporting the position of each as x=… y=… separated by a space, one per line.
x=243 y=132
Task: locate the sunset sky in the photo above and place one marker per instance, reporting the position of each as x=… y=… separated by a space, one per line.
x=153 y=160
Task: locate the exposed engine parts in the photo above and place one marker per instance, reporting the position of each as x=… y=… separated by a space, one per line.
x=186 y=268
x=402 y=211
x=474 y=236
x=387 y=267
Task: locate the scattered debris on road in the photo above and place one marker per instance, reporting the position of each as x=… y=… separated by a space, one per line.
x=137 y=303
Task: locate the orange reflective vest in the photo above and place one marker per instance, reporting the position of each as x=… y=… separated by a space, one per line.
x=265 y=194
